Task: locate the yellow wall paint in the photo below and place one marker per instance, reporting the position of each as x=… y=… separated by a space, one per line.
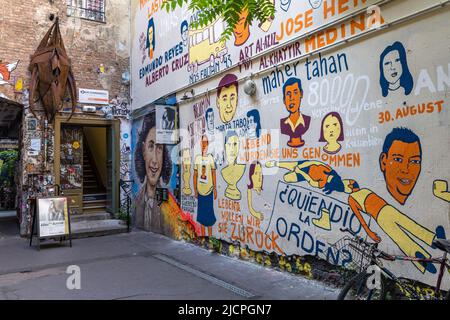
x=96 y=139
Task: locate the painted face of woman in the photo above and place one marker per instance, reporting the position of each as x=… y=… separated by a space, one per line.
x=251 y=127
x=392 y=67
x=153 y=157
x=331 y=129
x=257 y=177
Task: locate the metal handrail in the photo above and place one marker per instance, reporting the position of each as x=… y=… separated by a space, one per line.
x=121 y=183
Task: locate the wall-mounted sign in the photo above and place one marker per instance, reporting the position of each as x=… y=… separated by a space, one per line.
x=35 y=147
x=92 y=96
x=166 y=125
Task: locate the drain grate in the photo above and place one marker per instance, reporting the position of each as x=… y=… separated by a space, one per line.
x=205 y=276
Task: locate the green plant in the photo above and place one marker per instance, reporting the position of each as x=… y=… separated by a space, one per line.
x=8 y=160
x=229 y=10
x=122 y=215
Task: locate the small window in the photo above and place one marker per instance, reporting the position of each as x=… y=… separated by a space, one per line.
x=218 y=29
x=87 y=9
x=205 y=34
x=198 y=38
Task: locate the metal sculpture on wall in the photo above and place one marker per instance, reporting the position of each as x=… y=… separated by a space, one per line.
x=51 y=74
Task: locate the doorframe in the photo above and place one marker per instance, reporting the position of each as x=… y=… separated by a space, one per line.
x=114 y=124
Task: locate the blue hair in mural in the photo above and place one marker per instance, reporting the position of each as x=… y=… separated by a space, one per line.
x=255 y=121
x=400 y=134
x=394 y=71
x=151 y=25
x=290 y=82
x=184 y=26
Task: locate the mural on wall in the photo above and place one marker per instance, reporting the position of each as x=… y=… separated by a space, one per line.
x=154 y=168
x=394 y=70
x=332 y=132
x=441 y=190
x=328 y=142
x=206 y=46
x=232 y=172
x=296 y=124
x=227 y=97
x=165 y=64
x=241 y=31
x=125 y=163
x=205 y=187
x=5 y=71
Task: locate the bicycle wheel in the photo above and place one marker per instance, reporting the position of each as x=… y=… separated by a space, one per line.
x=357 y=289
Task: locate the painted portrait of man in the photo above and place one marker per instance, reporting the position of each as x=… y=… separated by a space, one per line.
x=296 y=124
x=227 y=97
x=401 y=162
x=242 y=29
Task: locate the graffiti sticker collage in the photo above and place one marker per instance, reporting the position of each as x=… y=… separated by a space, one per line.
x=343 y=131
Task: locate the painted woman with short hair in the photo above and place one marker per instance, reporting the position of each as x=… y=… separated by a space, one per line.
x=332 y=132
x=152 y=162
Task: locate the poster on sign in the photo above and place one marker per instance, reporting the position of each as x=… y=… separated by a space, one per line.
x=53 y=217
x=166 y=125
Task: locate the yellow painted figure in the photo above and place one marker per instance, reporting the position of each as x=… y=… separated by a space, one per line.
x=233 y=172
x=316 y=173
x=205 y=188
x=186 y=160
x=404 y=231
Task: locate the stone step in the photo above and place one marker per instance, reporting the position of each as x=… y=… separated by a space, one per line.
x=88 y=203
x=84 y=229
x=92 y=209
x=95 y=216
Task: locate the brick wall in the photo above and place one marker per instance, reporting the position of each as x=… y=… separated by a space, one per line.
x=89 y=44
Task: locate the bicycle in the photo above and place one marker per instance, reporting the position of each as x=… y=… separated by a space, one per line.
x=357 y=287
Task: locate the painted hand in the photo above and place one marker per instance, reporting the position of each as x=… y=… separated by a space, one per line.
x=271 y=164
x=374 y=236
x=258 y=215
x=440 y=190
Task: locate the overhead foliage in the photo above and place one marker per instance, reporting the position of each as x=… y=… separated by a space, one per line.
x=229 y=10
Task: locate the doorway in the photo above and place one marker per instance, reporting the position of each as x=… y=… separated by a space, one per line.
x=87 y=164
x=10 y=148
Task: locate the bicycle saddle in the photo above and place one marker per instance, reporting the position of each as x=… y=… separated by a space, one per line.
x=442 y=244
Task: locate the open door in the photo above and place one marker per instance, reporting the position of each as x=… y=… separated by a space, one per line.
x=71 y=168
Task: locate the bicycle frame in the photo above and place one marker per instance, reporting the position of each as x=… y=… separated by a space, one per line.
x=443 y=262
x=379 y=254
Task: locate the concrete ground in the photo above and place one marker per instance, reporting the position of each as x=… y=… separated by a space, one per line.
x=140 y=265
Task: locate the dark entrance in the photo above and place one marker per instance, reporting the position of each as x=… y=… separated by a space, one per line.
x=10 y=147
x=86 y=164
